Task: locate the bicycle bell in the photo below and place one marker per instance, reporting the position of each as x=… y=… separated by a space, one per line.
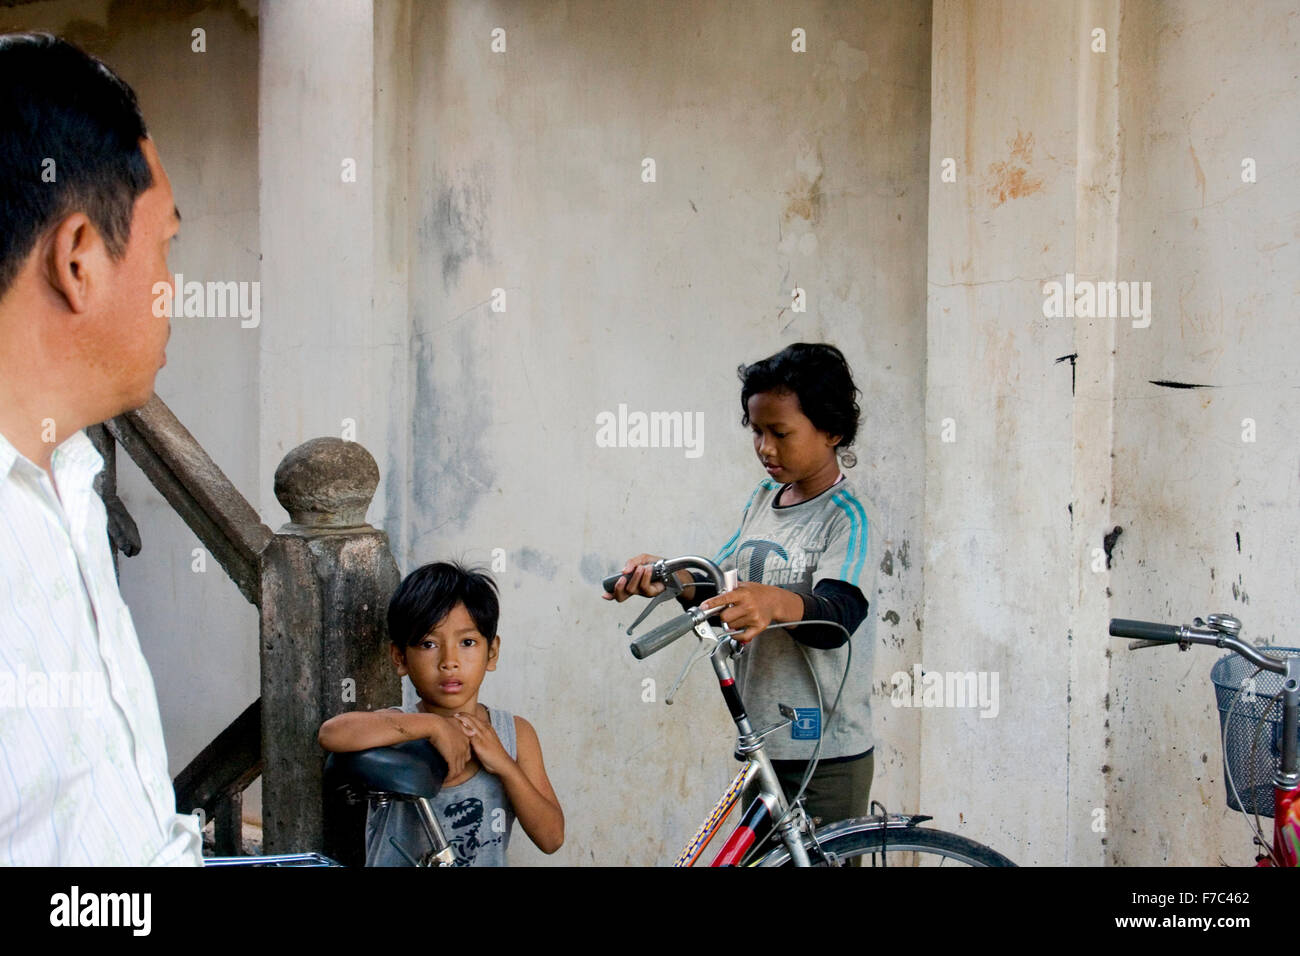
x=1224 y=624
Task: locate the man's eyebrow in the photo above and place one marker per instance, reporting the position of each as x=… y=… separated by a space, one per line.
x=177 y=212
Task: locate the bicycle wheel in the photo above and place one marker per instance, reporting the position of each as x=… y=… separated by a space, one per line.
x=869 y=843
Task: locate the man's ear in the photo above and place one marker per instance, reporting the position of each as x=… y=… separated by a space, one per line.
x=399 y=659
x=73 y=257
x=494 y=650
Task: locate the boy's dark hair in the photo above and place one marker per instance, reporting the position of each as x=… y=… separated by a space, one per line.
x=428 y=593
x=819 y=377
x=61 y=104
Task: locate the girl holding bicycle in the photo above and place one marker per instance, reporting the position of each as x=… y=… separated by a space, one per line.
x=806 y=550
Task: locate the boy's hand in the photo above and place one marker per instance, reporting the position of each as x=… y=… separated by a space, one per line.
x=485 y=743
x=752 y=607
x=636 y=579
x=450 y=739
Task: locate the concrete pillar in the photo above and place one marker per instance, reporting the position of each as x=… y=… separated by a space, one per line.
x=317 y=195
x=326 y=581
x=1004 y=463
x=1096 y=225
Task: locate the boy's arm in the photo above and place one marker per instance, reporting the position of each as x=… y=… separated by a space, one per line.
x=363 y=729
x=835 y=596
x=845 y=567
x=831 y=600
x=536 y=807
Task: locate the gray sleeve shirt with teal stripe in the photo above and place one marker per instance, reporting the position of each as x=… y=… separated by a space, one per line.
x=832 y=536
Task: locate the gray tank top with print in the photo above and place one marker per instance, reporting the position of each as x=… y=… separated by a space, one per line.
x=476 y=816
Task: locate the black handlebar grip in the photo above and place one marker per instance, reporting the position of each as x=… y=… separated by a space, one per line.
x=610 y=582
x=1144 y=630
x=663 y=635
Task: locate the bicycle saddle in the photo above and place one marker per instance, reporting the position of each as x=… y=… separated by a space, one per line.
x=410 y=769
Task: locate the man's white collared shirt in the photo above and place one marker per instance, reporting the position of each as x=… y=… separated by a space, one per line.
x=83 y=767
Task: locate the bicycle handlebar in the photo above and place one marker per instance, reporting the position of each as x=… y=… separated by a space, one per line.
x=1143 y=630
x=664 y=569
x=663 y=635
x=1178 y=634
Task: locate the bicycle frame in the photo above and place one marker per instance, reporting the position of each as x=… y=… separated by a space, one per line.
x=1286 y=782
x=769 y=804
x=1286 y=826
x=713 y=822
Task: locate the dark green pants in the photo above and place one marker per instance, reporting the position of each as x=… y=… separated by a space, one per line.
x=836 y=791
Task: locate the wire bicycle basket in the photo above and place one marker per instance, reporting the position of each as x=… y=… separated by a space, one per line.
x=1253 y=735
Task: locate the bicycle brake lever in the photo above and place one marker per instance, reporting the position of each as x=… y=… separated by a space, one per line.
x=696 y=656
x=703 y=634
x=672 y=588
x=653 y=603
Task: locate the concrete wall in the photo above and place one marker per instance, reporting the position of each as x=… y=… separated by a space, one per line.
x=1209 y=516
x=773 y=169
x=1115 y=163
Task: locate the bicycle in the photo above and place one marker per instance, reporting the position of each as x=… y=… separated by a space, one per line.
x=1221 y=630
x=886 y=839
x=410 y=771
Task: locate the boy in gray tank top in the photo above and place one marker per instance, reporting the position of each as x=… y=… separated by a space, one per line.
x=442 y=622
x=476 y=816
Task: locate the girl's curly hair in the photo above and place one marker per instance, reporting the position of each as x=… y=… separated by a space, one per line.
x=819 y=377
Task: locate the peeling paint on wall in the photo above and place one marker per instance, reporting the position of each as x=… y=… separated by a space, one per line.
x=1009 y=178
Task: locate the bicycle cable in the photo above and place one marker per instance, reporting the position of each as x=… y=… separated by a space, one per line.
x=828 y=717
x=1254 y=752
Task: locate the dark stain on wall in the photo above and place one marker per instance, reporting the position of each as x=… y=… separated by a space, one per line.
x=537 y=562
x=1108 y=542
x=1165 y=383
x=451 y=465
x=455 y=229
x=595 y=567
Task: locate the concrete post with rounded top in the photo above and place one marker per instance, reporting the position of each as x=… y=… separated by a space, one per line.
x=326 y=581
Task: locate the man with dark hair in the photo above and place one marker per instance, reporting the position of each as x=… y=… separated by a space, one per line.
x=86 y=216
